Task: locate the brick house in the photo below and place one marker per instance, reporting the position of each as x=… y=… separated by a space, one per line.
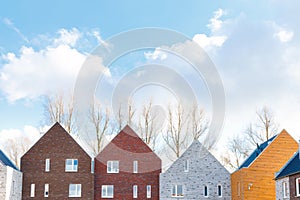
x=127 y=169
x=196 y=174
x=255 y=177
x=10 y=179
x=56 y=167
x=288 y=180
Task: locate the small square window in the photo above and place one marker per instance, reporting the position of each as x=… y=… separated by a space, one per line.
x=112 y=166
x=71 y=165
x=75 y=190
x=107 y=191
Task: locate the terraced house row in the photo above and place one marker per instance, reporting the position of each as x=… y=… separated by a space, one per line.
x=57 y=167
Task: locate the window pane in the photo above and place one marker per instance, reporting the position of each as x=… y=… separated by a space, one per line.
x=219 y=190
x=179 y=190
x=104 y=191
x=148 y=191
x=110 y=190
x=174 y=191
x=205 y=191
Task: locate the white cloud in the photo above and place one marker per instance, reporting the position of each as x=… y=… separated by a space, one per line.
x=67 y=37
x=215 y=22
x=284 y=35
x=204 y=41
x=10 y=24
x=157 y=54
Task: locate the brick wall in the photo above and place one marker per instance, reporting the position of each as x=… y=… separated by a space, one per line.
x=57 y=145
x=279 y=189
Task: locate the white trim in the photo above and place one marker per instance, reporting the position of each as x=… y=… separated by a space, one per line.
x=77 y=190
x=285 y=189
x=74 y=167
x=110 y=167
x=32 y=190
x=297 y=187
x=105 y=187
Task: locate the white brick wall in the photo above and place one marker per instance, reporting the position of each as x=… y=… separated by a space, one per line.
x=10 y=183
x=279 y=188
x=204 y=169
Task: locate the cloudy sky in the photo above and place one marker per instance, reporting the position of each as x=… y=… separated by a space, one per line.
x=253 y=44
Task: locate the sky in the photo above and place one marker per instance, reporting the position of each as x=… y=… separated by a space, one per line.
x=253 y=44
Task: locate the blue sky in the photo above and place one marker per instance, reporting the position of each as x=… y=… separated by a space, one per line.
x=254 y=45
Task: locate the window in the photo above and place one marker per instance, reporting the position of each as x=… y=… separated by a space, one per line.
x=113 y=166
x=285 y=189
x=186 y=166
x=47 y=165
x=135 y=191
x=75 y=190
x=32 y=190
x=219 y=191
x=238 y=189
x=46 y=193
x=92 y=166
x=298 y=187
x=148 y=191
x=71 y=165
x=107 y=191
x=205 y=192
x=177 y=191
x=135 y=166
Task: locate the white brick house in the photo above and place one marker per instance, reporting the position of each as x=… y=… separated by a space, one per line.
x=10 y=179
x=197 y=174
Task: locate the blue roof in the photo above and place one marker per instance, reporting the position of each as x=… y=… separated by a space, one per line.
x=256 y=153
x=5 y=161
x=291 y=167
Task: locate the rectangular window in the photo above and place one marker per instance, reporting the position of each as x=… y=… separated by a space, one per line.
x=238 y=189
x=107 y=191
x=177 y=191
x=32 y=190
x=135 y=191
x=205 y=192
x=285 y=189
x=186 y=166
x=112 y=166
x=219 y=191
x=135 y=166
x=148 y=191
x=71 y=165
x=298 y=187
x=46 y=193
x=47 y=165
x=92 y=166
x=75 y=190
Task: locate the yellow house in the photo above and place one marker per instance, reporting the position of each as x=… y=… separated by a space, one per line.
x=254 y=180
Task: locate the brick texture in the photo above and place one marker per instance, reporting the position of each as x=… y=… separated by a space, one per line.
x=57 y=145
x=127 y=147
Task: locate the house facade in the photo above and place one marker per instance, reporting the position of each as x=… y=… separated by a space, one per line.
x=197 y=174
x=56 y=167
x=255 y=177
x=10 y=179
x=288 y=180
x=127 y=169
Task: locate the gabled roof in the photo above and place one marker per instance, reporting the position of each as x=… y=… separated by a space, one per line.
x=6 y=161
x=256 y=153
x=291 y=167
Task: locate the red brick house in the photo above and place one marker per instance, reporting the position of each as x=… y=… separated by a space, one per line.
x=127 y=169
x=56 y=167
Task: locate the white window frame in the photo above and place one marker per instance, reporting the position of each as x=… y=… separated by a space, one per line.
x=47 y=165
x=105 y=188
x=148 y=191
x=207 y=191
x=77 y=190
x=46 y=192
x=186 y=166
x=175 y=194
x=32 y=190
x=73 y=167
x=111 y=165
x=135 y=166
x=285 y=189
x=297 y=187
x=221 y=189
x=135 y=191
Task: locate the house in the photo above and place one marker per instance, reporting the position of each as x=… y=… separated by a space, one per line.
x=127 y=169
x=56 y=167
x=196 y=174
x=255 y=177
x=288 y=179
x=10 y=179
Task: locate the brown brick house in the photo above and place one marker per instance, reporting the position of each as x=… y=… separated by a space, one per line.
x=56 y=167
x=127 y=169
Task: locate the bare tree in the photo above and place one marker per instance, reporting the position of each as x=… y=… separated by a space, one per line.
x=198 y=122
x=176 y=136
x=57 y=110
x=126 y=118
x=148 y=126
